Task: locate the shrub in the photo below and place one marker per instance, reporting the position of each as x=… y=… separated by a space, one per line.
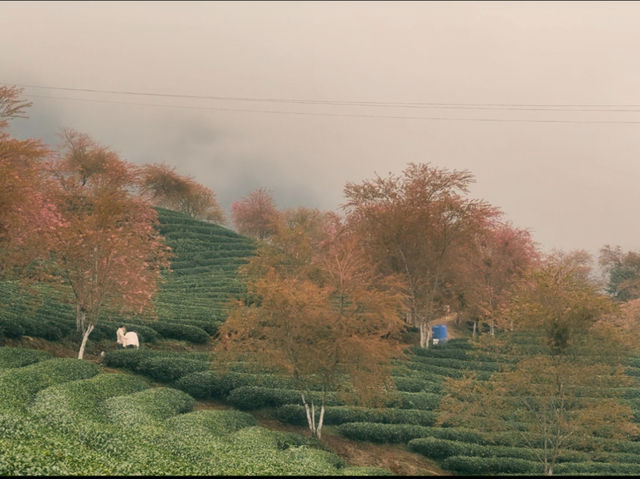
x=210 y=422
x=127 y=358
x=17 y=357
x=255 y=397
x=168 y=369
x=382 y=433
x=81 y=400
x=202 y=385
x=149 y=405
x=366 y=471
x=417 y=384
x=180 y=331
x=295 y=414
x=11 y=327
x=576 y=468
x=490 y=465
x=420 y=400
x=41 y=329
x=441 y=448
x=213 y=384
x=18 y=386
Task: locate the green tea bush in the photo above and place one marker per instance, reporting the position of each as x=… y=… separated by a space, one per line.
x=51 y=455
x=81 y=400
x=41 y=329
x=168 y=369
x=490 y=465
x=149 y=405
x=382 y=433
x=17 y=357
x=213 y=384
x=420 y=400
x=417 y=384
x=18 y=386
x=462 y=364
x=11 y=327
x=210 y=327
x=316 y=461
x=603 y=469
x=127 y=358
x=456 y=434
x=255 y=397
x=441 y=448
x=181 y=331
x=295 y=414
x=205 y=423
x=132 y=358
x=203 y=385
x=439 y=352
x=366 y=471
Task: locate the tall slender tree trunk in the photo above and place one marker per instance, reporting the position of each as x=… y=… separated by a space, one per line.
x=85 y=336
x=425 y=334
x=315 y=428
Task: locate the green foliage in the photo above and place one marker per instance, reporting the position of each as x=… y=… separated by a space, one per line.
x=417 y=384
x=255 y=397
x=441 y=448
x=608 y=469
x=18 y=386
x=149 y=405
x=81 y=400
x=184 y=332
x=205 y=423
x=366 y=471
x=169 y=369
x=490 y=465
x=212 y=384
x=295 y=414
x=11 y=327
x=133 y=360
x=17 y=357
x=382 y=433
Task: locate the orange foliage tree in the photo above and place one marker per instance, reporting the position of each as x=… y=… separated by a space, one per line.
x=318 y=312
x=561 y=392
x=106 y=248
x=489 y=270
x=27 y=218
x=417 y=226
x=168 y=189
x=255 y=215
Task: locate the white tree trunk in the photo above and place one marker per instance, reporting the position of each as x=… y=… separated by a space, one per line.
x=310 y=418
x=320 y=421
x=85 y=336
x=425 y=334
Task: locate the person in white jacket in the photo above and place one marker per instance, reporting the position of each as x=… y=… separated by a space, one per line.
x=126 y=339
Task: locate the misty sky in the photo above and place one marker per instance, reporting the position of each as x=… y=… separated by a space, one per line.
x=570 y=177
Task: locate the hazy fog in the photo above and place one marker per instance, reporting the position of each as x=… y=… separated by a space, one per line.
x=571 y=182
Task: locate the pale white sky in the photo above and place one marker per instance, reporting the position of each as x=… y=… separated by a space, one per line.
x=573 y=184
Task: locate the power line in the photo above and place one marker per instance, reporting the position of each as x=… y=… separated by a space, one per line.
x=347 y=115
x=627 y=108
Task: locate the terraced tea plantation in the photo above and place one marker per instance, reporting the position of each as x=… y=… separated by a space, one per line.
x=410 y=415
x=61 y=416
x=67 y=417
x=190 y=304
